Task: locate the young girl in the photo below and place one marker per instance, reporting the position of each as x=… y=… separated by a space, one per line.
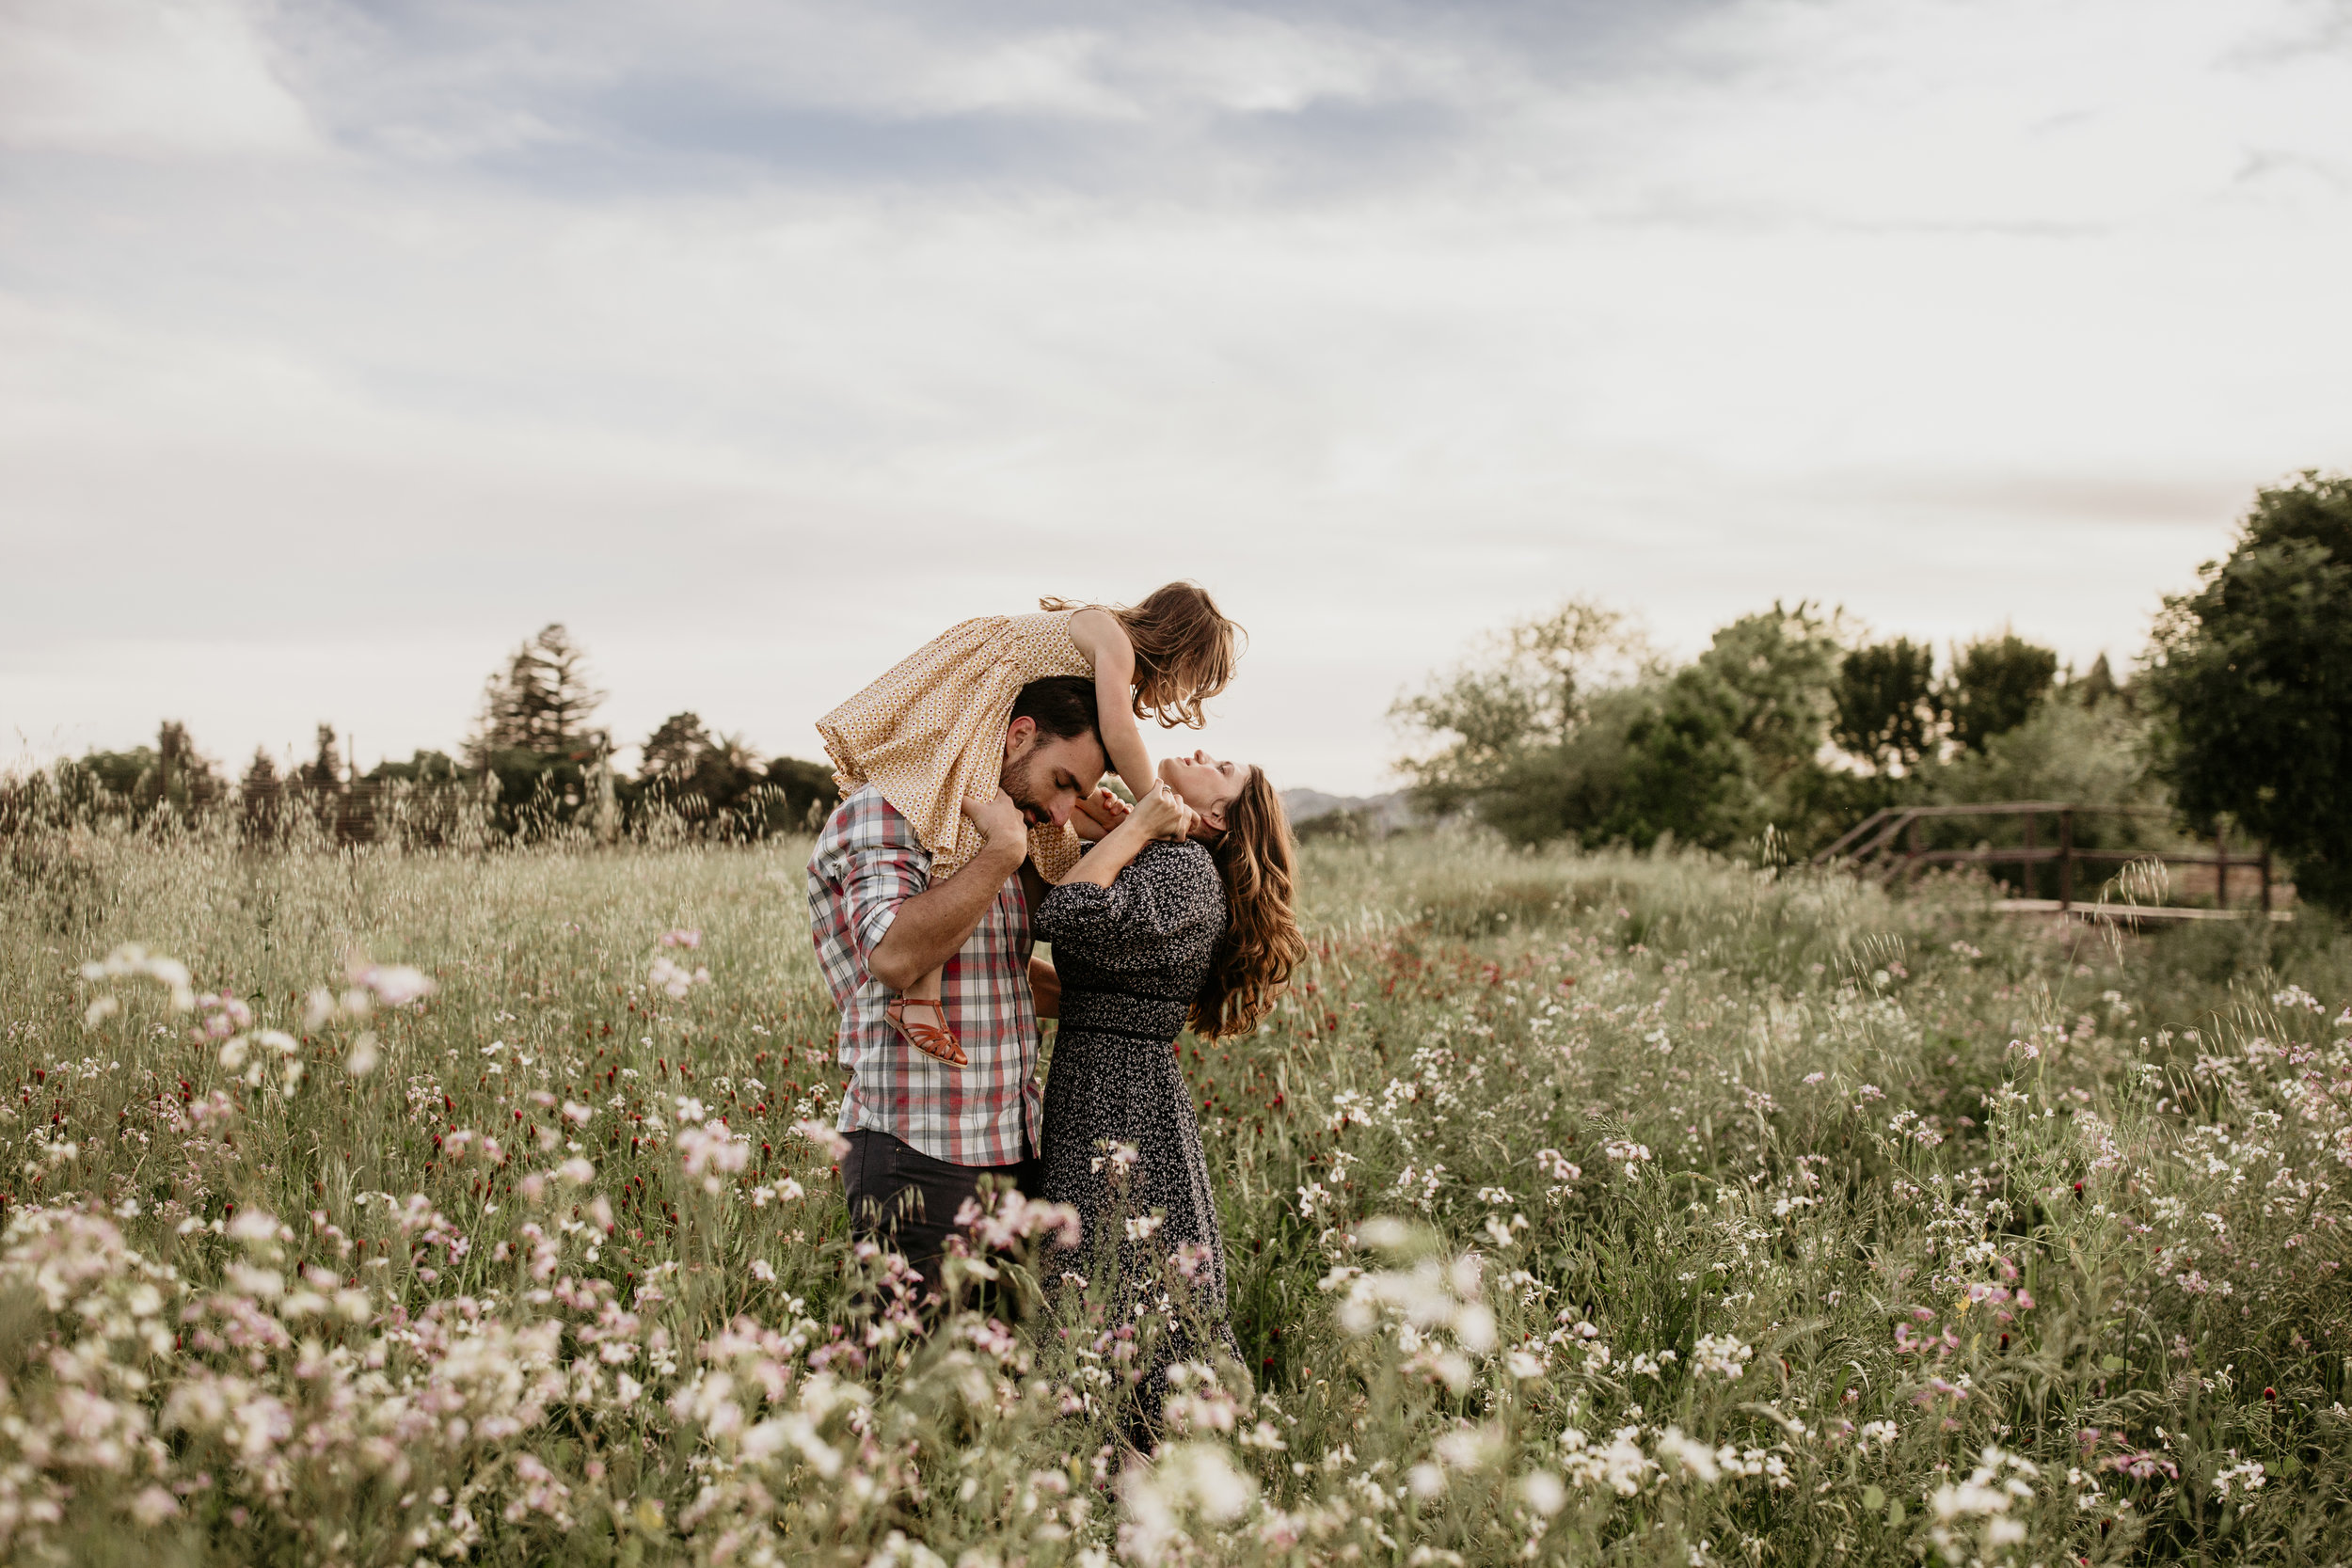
x=930 y=733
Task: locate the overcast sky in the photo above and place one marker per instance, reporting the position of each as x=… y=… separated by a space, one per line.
x=343 y=346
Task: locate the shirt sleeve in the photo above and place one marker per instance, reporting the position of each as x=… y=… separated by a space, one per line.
x=884 y=865
x=1156 y=896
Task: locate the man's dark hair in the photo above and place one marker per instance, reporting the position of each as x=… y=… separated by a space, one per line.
x=1063 y=706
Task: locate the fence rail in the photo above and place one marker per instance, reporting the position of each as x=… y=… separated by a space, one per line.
x=1886 y=844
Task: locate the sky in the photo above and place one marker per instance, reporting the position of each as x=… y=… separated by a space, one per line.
x=342 y=346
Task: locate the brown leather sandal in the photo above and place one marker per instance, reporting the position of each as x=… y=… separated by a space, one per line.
x=932 y=1040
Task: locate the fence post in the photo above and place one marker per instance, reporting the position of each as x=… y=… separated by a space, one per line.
x=2066 y=861
x=2033 y=868
x=2266 y=878
x=2221 y=867
x=1911 y=845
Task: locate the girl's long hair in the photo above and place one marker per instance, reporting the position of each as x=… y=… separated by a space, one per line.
x=1257 y=858
x=1185 y=649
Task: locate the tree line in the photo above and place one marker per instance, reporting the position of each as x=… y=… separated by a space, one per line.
x=535 y=763
x=2237 y=716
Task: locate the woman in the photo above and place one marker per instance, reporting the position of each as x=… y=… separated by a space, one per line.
x=1180 y=914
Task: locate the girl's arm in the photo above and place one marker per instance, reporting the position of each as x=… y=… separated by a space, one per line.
x=1102 y=638
x=1097 y=814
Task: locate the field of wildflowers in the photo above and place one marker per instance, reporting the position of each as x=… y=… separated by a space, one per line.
x=383 y=1208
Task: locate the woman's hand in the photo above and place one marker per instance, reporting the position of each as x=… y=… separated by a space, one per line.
x=1160 y=814
x=1098 y=815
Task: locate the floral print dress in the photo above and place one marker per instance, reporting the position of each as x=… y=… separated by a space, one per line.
x=1132 y=958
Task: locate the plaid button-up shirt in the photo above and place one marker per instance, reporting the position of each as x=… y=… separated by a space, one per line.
x=986 y=1112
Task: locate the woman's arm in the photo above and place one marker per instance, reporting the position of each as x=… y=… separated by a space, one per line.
x=1162 y=897
x=1157 y=815
x=1102 y=638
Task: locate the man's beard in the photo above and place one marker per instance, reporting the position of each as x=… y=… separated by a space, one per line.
x=1018 y=782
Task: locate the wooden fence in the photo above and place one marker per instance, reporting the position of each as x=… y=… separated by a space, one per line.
x=1888 y=844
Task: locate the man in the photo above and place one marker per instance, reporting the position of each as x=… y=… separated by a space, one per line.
x=923 y=1133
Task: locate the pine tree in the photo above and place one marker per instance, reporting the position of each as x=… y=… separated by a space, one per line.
x=325 y=770
x=258 y=793
x=676 y=750
x=182 y=777
x=541 y=702
x=2098 y=686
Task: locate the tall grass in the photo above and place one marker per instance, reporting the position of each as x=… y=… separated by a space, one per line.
x=1579 y=1207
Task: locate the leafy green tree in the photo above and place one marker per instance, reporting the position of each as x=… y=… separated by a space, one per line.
x=1568 y=726
x=674 y=750
x=728 y=771
x=423 y=768
x=1689 y=772
x=800 y=793
x=171 y=773
x=1779 y=667
x=1574 y=788
x=2253 y=675
x=698 y=774
x=1730 y=742
x=1886 y=707
x=1501 y=716
x=117 y=773
x=1995 y=684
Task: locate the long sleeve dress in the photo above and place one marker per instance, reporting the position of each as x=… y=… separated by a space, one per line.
x=1132 y=958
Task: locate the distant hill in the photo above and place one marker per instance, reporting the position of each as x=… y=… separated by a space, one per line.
x=1379 y=814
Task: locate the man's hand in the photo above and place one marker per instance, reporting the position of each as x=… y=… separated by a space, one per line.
x=999 y=821
x=1098 y=814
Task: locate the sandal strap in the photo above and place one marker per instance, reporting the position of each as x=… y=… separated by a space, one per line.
x=930 y=1038
x=932 y=1032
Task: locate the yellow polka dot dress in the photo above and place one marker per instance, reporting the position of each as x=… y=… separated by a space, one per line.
x=931 y=732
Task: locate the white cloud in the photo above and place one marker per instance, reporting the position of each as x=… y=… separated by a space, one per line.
x=142 y=78
x=1956 y=315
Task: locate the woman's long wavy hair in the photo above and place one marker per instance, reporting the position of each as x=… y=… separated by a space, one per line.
x=1256 y=857
x=1185 y=649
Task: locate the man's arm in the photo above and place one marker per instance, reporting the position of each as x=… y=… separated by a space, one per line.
x=932 y=927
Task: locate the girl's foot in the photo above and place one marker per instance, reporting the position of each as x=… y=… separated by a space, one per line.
x=932 y=1040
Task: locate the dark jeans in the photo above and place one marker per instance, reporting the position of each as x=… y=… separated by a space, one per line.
x=904 y=1197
